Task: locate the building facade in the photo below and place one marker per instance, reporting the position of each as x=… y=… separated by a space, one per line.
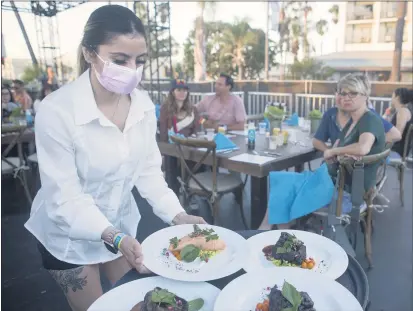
x=366 y=39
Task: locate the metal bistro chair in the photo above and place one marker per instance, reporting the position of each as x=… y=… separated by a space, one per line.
x=400 y=164
x=16 y=166
x=211 y=184
x=353 y=169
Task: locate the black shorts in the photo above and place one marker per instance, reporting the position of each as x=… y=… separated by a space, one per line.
x=52 y=263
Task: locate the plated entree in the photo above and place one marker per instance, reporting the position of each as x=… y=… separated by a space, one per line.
x=201 y=243
x=286 y=299
x=160 y=299
x=289 y=252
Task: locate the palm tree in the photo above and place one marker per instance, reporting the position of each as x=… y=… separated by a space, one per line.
x=321 y=27
x=237 y=37
x=306 y=45
x=334 y=12
x=199 y=47
x=397 y=55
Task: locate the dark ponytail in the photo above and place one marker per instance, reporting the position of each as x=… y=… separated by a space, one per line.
x=103 y=24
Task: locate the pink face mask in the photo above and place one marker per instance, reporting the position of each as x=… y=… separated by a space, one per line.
x=118 y=79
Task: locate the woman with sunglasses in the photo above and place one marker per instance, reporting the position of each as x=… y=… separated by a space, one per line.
x=95 y=141
x=177 y=112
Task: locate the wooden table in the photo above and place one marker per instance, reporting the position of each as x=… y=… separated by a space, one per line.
x=9 y=132
x=291 y=156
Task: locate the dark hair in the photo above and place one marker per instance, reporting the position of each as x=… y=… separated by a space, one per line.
x=19 y=82
x=105 y=23
x=405 y=95
x=5 y=87
x=46 y=87
x=173 y=107
x=228 y=80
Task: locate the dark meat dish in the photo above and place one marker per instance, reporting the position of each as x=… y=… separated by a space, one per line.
x=148 y=304
x=288 y=248
x=278 y=302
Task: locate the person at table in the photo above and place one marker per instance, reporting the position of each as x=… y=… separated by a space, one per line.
x=362 y=135
x=96 y=140
x=46 y=90
x=223 y=108
x=20 y=95
x=336 y=118
x=177 y=112
x=7 y=102
x=402 y=102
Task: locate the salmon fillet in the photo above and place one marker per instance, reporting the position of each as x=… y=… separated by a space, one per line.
x=200 y=242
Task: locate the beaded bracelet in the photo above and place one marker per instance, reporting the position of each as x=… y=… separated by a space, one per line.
x=117 y=240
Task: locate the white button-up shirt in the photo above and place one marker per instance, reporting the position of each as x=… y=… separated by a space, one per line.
x=88 y=168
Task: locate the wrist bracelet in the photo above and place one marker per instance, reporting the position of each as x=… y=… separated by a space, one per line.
x=117 y=240
x=110 y=236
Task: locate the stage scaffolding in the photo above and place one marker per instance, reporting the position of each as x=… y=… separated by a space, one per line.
x=157 y=19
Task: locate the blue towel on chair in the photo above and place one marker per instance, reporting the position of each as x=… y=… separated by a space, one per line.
x=293 y=195
x=224 y=143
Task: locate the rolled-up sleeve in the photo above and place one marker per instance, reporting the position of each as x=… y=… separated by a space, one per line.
x=322 y=133
x=151 y=182
x=73 y=211
x=240 y=114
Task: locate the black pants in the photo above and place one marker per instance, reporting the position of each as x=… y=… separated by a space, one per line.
x=52 y=263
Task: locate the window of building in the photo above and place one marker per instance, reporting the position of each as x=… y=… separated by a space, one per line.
x=387 y=32
x=388 y=9
x=359 y=33
x=360 y=10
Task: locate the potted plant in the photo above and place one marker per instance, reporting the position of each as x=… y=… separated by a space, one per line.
x=275 y=117
x=315 y=117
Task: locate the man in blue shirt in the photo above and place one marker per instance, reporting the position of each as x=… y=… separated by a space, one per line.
x=334 y=120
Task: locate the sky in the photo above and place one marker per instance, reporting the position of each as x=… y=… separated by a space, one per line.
x=183 y=14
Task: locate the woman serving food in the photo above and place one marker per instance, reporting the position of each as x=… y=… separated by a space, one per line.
x=95 y=141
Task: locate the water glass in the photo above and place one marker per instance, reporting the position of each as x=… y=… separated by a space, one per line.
x=272 y=144
x=262 y=128
x=210 y=134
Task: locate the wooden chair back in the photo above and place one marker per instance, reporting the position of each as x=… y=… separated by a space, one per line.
x=346 y=164
x=408 y=143
x=14 y=133
x=187 y=172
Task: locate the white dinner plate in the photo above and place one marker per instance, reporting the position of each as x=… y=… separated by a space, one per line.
x=330 y=258
x=243 y=293
x=124 y=297
x=223 y=264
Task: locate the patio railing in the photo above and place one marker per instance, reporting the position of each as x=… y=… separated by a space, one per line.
x=302 y=104
x=258 y=100
x=193 y=97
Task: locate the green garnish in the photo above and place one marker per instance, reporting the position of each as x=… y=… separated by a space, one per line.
x=209 y=234
x=163 y=296
x=195 y=305
x=292 y=295
x=291 y=244
x=189 y=253
x=212 y=237
x=174 y=241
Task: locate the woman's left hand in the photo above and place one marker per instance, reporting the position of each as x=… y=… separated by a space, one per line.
x=184 y=218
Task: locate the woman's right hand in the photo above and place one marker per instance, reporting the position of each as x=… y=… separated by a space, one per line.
x=132 y=250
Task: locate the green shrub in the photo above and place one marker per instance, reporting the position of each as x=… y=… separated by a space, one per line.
x=274 y=113
x=315 y=114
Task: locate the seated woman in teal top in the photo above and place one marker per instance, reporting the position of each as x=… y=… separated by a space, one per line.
x=362 y=135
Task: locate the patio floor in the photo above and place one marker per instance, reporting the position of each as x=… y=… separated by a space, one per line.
x=26 y=286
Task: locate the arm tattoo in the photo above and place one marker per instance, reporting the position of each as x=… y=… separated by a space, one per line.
x=69 y=279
